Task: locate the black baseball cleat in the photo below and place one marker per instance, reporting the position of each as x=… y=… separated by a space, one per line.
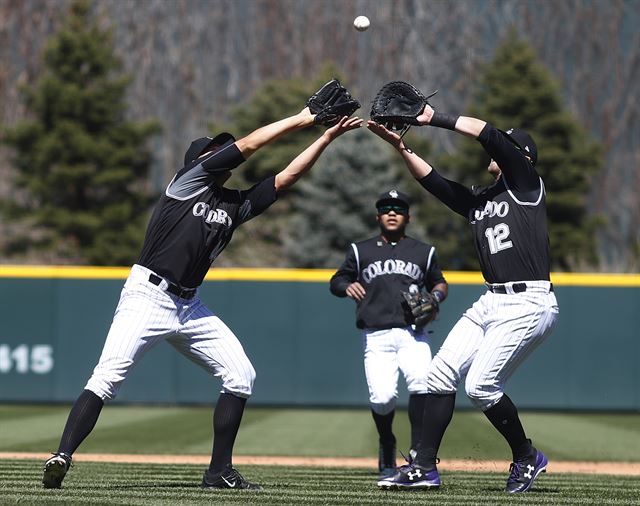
x=524 y=472
x=387 y=460
x=55 y=469
x=229 y=478
x=411 y=477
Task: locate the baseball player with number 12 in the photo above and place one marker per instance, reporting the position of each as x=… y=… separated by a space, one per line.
x=519 y=310
x=190 y=226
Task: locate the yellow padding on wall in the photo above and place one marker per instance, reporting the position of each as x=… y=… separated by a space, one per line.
x=301 y=275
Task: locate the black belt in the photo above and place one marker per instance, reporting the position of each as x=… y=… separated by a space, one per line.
x=516 y=287
x=172 y=287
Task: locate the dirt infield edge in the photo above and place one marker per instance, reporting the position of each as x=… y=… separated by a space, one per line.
x=614 y=468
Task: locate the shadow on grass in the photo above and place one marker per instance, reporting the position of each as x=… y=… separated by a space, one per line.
x=531 y=491
x=543 y=490
x=168 y=485
x=129 y=486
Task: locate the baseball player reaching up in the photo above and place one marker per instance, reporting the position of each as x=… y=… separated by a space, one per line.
x=192 y=223
x=494 y=336
x=376 y=272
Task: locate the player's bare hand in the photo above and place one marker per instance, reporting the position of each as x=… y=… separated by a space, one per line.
x=384 y=133
x=306 y=116
x=425 y=117
x=356 y=291
x=344 y=125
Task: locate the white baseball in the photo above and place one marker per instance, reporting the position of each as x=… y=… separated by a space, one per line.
x=361 y=23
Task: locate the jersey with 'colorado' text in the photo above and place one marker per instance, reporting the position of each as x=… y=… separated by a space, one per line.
x=195 y=218
x=508 y=219
x=385 y=270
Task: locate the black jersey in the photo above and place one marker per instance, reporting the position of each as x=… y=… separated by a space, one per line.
x=385 y=270
x=508 y=219
x=195 y=218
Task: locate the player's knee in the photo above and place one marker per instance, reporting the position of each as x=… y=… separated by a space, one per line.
x=441 y=379
x=106 y=390
x=240 y=383
x=251 y=376
x=108 y=376
x=382 y=398
x=383 y=408
x=482 y=396
x=417 y=384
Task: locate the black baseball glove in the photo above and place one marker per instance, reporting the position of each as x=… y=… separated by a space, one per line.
x=331 y=102
x=422 y=306
x=397 y=105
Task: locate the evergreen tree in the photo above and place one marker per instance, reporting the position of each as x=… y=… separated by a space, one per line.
x=275 y=100
x=516 y=91
x=294 y=233
x=260 y=243
x=335 y=204
x=81 y=166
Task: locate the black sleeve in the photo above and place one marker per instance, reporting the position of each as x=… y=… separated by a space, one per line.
x=225 y=159
x=434 y=275
x=258 y=198
x=516 y=169
x=196 y=175
x=345 y=275
x=455 y=196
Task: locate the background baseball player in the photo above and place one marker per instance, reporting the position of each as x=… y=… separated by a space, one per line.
x=191 y=224
x=509 y=225
x=375 y=273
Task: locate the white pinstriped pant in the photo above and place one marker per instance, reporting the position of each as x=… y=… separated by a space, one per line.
x=146 y=315
x=386 y=351
x=493 y=337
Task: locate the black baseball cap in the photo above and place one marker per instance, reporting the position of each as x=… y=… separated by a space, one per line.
x=523 y=141
x=203 y=144
x=393 y=197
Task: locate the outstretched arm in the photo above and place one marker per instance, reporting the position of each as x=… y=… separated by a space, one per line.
x=471 y=127
x=513 y=162
x=305 y=160
x=452 y=194
x=416 y=165
x=266 y=134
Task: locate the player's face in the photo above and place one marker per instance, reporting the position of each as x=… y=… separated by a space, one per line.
x=393 y=218
x=493 y=169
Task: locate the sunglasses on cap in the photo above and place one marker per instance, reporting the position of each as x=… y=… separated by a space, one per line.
x=395 y=208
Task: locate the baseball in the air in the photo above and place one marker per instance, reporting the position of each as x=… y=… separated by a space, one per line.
x=361 y=23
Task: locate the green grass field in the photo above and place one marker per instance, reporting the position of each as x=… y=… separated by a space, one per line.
x=127 y=484
x=308 y=432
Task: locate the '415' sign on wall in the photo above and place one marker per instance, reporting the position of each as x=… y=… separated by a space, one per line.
x=24 y=359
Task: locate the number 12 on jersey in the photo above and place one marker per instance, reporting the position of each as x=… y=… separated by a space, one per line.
x=497 y=238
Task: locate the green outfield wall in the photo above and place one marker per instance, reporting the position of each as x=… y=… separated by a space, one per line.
x=302 y=340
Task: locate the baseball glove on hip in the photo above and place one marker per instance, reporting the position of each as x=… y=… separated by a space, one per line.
x=422 y=306
x=397 y=105
x=331 y=102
